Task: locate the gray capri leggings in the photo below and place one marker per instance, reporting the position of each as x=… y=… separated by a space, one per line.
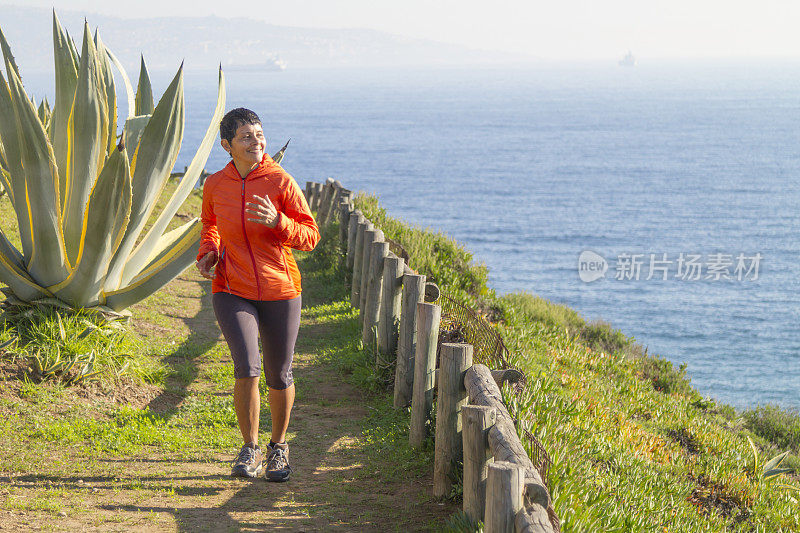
x=242 y=320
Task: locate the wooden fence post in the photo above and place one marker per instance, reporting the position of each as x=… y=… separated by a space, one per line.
x=374 y=235
x=476 y=421
x=333 y=202
x=390 y=306
x=450 y=397
x=356 y=218
x=503 y=496
x=428 y=316
x=316 y=197
x=325 y=195
x=372 y=302
x=358 y=257
x=329 y=199
x=345 y=210
x=413 y=293
x=309 y=192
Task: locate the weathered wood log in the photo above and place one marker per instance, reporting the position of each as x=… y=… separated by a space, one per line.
x=507 y=375
x=451 y=396
x=358 y=258
x=476 y=421
x=428 y=317
x=503 y=497
x=431 y=292
x=504 y=442
x=532 y=518
x=390 y=306
x=510 y=375
x=413 y=286
x=372 y=303
x=355 y=219
x=374 y=235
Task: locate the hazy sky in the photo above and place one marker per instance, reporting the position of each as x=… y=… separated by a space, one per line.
x=553 y=29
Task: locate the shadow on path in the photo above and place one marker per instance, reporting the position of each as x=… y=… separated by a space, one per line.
x=203 y=335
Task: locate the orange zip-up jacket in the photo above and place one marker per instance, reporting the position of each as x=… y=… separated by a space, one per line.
x=254 y=261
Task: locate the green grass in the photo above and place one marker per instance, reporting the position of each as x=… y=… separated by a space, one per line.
x=634 y=446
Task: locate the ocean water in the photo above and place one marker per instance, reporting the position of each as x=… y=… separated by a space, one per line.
x=528 y=168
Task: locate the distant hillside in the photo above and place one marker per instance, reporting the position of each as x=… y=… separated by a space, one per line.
x=204 y=42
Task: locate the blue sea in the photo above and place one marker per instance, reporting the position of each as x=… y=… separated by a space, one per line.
x=693 y=167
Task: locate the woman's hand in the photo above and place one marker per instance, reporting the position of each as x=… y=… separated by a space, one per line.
x=206 y=263
x=263 y=211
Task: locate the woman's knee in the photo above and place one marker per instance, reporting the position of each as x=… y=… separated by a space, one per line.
x=280 y=380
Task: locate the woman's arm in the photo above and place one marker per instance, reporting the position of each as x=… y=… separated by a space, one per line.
x=296 y=226
x=209 y=236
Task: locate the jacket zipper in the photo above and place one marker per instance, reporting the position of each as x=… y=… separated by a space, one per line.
x=249 y=249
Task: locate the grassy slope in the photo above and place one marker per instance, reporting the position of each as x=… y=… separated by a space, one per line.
x=150 y=452
x=633 y=446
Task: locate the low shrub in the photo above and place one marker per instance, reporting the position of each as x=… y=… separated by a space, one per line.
x=777 y=425
x=664 y=376
x=601 y=336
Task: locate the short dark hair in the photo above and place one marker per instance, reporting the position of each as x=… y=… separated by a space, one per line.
x=234 y=119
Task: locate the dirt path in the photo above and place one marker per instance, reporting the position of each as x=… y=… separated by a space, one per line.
x=339 y=482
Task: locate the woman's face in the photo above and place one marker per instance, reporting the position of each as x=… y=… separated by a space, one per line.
x=247 y=146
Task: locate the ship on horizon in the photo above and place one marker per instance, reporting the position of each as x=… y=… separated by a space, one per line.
x=272 y=64
x=628 y=60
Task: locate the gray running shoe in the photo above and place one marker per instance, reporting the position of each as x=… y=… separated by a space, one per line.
x=278 y=468
x=249 y=462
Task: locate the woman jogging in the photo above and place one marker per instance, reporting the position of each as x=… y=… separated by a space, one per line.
x=253 y=213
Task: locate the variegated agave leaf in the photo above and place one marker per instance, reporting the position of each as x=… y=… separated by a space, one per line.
x=44 y=113
x=47 y=262
x=126 y=82
x=66 y=73
x=144 y=93
x=107 y=82
x=278 y=157
x=87 y=128
x=10 y=139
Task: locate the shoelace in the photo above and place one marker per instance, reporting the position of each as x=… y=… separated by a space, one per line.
x=277 y=459
x=246 y=455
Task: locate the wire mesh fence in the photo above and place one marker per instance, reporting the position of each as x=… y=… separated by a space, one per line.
x=459 y=323
x=487 y=345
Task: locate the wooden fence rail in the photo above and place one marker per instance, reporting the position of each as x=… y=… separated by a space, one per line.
x=501 y=486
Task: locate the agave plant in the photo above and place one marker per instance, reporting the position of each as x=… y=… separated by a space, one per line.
x=83 y=194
